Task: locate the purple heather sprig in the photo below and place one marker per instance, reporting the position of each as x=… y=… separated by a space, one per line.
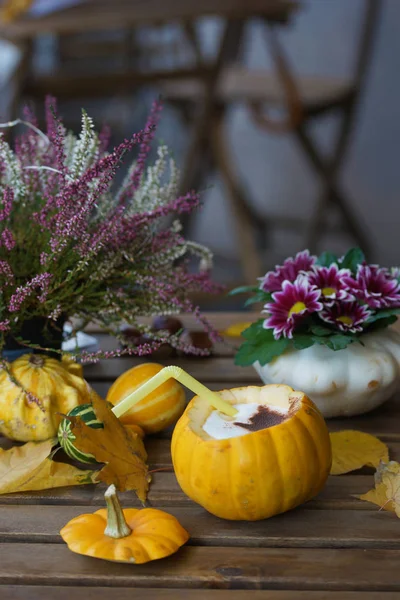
x=38 y=285
x=145 y=148
x=71 y=244
x=8 y=199
x=7 y=239
x=6 y=274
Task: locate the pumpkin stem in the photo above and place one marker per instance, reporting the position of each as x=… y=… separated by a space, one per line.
x=36 y=360
x=117 y=527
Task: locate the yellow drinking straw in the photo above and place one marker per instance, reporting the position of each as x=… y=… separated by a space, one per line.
x=180 y=375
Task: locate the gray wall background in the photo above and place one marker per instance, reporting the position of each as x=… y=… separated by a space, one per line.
x=322 y=40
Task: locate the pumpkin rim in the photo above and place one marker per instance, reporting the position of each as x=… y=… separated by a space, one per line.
x=296 y=402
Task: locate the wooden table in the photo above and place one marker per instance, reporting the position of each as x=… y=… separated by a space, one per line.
x=333 y=548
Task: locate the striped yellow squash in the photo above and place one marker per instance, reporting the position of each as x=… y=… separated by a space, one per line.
x=158 y=410
x=34 y=392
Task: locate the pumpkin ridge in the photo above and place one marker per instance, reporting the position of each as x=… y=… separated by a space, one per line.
x=277 y=464
x=263 y=490
x=305 y=483
x=315 y=447
x=230 y=476
x=153 y=537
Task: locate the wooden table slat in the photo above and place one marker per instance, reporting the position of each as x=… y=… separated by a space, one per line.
x=208 y=567
x=206 y=369
x=38 y=592
x=300 y=528
x=338 y=494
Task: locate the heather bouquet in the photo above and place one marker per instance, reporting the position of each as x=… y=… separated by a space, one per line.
x=326 y=300
x=72 y=244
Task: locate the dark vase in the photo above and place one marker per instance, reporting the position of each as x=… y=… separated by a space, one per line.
x=39 y=331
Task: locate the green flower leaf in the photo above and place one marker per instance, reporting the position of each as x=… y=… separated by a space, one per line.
x=257 y=331
x=244 y=289
x=337 y=341
x=383 y=314
x=262 y=347
x=249 y=353
x=302 y=341
x=260 y=296
x=320 y=330
x=326 y=259
x=382 y=323
x=352 y=259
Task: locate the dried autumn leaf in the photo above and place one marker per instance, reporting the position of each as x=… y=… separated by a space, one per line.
x=12 y=9
x=389 y=476
x=28 y=468
x=386 y=493
x=352 y=450
x=121 y=449
x=236 y=330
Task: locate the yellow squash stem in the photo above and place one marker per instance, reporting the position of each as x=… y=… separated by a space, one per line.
x=187 y=380
x=117 y=527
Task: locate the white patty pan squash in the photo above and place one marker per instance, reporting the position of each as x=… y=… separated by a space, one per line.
x=345 y=382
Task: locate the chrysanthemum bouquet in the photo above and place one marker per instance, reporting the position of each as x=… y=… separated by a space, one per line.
x=72 y=245
x=326 y=300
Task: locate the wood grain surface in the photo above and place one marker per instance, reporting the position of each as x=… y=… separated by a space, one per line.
x=335 y=547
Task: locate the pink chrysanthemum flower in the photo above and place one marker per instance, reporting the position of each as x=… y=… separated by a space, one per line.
x=375 y=286
x=348 y=317
x=331 y=281
x=273 y=280
x=290 y=306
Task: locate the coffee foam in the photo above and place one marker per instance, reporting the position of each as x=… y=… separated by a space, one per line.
x=249 y=418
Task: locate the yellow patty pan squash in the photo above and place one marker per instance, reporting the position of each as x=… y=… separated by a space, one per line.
x=35 y=392
x=262 y=473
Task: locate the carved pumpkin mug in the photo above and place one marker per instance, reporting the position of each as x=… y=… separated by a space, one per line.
x=243 y=454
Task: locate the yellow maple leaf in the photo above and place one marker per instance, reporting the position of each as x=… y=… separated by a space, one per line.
x=28 y=468
x=236 y=329
x=389 y=475
x=14 y=8
x=121 y=449
x=352 y=450
x=386 y=494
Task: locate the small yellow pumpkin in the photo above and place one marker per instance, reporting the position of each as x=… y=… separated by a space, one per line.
x=155 y=412
x=131 y=535
x=269 y=469
x=51 y=382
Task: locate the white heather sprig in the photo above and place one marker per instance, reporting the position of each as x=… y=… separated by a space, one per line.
x=152 y=193
x=205 y=255
x=13 y=171
x=86 y=148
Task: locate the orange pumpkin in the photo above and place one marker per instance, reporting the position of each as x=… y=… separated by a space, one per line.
x=131 y=535
x=158 y=410
x=263 y=472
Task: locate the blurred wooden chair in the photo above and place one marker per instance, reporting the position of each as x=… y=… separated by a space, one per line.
x=71 y=27
x=303 y=99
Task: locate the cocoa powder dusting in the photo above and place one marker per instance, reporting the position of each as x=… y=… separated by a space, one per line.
x=262 y=419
